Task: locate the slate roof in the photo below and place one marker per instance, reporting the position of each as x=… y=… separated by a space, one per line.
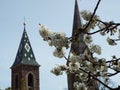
x=25 y=55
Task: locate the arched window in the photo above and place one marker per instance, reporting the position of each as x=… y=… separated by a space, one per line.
x=30 y=82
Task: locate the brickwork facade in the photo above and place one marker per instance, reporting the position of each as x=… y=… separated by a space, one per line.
x=20 y=80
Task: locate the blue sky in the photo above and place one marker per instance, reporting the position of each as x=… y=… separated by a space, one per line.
x=58 y=16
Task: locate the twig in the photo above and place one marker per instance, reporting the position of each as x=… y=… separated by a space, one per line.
x=116 y=39
x=66 y=58
x=93 y=76
x=112 y=74
x=112 y=60
x=103 y=83
x=96 y=31
x=92 y=15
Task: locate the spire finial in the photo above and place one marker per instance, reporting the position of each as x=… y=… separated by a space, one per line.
x=76 y=20
x=24 y=23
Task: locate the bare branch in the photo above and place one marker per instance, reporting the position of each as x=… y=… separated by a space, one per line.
x=96 y=31
x=66 y=58
x=112 y=74
x=113 y=60
x=109 y=26
x=103 y=83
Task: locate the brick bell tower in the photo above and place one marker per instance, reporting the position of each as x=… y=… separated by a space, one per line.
x=25 y=69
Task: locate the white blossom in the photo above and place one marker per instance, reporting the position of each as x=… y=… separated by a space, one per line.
x=59 y=40
x=73 y=59
x=74 y=66
x=111 y=41
x=87 y=16
x=102 y=61
x=88 y=63
x=103 y=68
x=59 y=53
x=101 y=26
x=77 y=58
x=44 y=32
x=90 y=67
x=57 y=71
x=95 y=49
x=63 y=67
x=102 y=33
x=79 y=86
x=88 y=38
x=116 y=67
x=83 y=76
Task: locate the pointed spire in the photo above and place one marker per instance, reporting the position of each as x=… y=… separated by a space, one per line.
x=77 y=24
x=25 y=55
x=77 y=20
x=78 y=45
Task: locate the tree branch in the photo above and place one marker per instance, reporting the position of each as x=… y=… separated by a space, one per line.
x=92 y=15
x=96 y=31
x=109 y=26
x=66 y=58
x=95 y=78
x=102 y=83
x=112 y=60
x=112 y=74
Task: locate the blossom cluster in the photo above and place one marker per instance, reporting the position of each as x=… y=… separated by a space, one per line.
x=77 y=62
x=58 y=40
x=96 y=66
x=80 y=86
x=92 y=47
x=57 y=71
x=107 y=27
x=83 y=64
x=95 y=49
x=86 y=15
x=111 y=41
x=115 y=63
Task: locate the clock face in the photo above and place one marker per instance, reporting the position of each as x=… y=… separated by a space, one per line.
x=27 y=47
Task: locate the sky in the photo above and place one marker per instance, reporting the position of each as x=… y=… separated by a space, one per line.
x=58 y=16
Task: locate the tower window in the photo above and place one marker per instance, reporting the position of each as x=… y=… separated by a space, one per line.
x=30 y=82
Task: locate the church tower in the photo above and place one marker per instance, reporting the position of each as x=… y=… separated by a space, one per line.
x=25 y=69
x=78 y=47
